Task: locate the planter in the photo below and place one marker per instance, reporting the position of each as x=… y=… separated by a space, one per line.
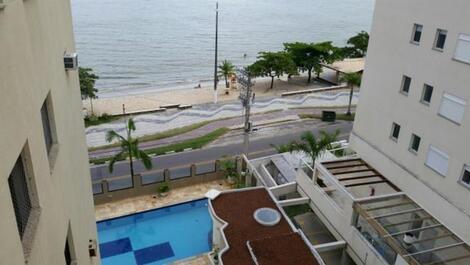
x=163 y=194
x=230 y=180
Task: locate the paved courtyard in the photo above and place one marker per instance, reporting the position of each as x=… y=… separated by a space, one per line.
x=147 y=202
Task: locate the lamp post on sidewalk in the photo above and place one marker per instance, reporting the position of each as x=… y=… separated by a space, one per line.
x=216 y=40
x=245 y=85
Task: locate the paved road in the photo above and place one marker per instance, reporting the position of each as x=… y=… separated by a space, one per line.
x=256 y=118
x=258 y=147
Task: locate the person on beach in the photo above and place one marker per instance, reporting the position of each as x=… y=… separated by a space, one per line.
x=198 y=86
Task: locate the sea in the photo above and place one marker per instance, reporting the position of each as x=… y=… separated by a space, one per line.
x=142 y=46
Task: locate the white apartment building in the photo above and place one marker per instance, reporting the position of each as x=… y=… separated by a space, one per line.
x=46 y=206
x=399 y=192
x=413 y=119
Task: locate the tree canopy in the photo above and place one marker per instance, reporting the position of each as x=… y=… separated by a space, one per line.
x=357 y=46
x=311 y=145
x=309 y=56
x=273 y=64
x=87 y=82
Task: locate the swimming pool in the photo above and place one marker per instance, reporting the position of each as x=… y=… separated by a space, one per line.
x=158 y=236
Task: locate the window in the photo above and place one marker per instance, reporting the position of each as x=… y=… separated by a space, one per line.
x=462 y=51
x=20 y=196
x=466 y=176
x=405 y=84
x=440 y=41
x=452 y=108
x=395 y=131
x=417 y=31
x=46 y=125
x=437 y=160
x=414 y=143
x=427 y=94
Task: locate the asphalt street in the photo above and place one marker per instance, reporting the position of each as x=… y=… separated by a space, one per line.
x=259 y=146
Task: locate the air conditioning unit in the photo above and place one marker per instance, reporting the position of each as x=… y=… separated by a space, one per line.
x=70 y=61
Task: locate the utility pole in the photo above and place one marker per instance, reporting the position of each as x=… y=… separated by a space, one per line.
x=245 y=85
x=216 y=40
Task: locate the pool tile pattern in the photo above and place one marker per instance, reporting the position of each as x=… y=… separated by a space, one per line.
x=142 y=256
x=153 y=253
x=115 y=247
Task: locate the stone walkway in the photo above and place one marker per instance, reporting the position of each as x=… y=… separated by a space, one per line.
x=158 y=122
x=147 y=202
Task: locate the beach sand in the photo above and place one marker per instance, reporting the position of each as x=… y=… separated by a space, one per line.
x=194 y=96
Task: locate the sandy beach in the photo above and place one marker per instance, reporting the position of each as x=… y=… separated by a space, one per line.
x=194 y=96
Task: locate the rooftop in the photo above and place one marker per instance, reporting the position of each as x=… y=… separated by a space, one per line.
x=352 y=65
x=411 y=231
x=359 y=178
x=236 y=209
x=281 y=249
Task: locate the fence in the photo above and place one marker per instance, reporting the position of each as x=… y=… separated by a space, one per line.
x=110 y=189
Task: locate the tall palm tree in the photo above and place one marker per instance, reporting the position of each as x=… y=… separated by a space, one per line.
x=352 y=79
x=311 y=145
x=226 y=68
x=129 y=148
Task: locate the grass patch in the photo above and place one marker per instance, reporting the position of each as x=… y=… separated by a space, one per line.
x=195 y=143
x=339 y=116
x=295 y=210
x=157 y=136
x=94 y=120
x=164 y=134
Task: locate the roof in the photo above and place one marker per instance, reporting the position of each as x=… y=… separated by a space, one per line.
x=281 y=249
x=429 y=241
x=352 y=65
x=236 y=208
x=359 y=178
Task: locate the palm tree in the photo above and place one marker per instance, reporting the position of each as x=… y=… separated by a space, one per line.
x=352 y=79
x=310 y=145
x=226 y=68
x=129 y=148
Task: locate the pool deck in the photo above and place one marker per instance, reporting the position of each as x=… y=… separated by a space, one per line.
x=198 y=260
x=148 y=202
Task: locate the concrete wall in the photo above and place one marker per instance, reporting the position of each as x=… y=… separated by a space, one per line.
x=390 y=56
x=139 y=189
x=34 y=36
x=339 y=222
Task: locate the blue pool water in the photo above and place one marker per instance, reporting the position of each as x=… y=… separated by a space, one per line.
x=159 y=236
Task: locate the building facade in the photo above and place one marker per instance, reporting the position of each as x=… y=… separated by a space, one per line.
x=398 y=192
x=413 y=118
x=46 y=206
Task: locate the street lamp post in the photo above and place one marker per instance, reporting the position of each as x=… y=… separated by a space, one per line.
x=216 y=42
x=245 y=85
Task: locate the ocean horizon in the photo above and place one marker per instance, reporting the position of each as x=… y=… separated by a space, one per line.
x=141 y=46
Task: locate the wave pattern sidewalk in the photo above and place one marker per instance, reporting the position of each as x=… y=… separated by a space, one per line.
x=158 y=122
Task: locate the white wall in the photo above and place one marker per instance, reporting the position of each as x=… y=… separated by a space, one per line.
x=34 y=36
x=390 y=56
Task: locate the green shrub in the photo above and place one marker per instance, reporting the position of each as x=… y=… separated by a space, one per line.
x=163 y=188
